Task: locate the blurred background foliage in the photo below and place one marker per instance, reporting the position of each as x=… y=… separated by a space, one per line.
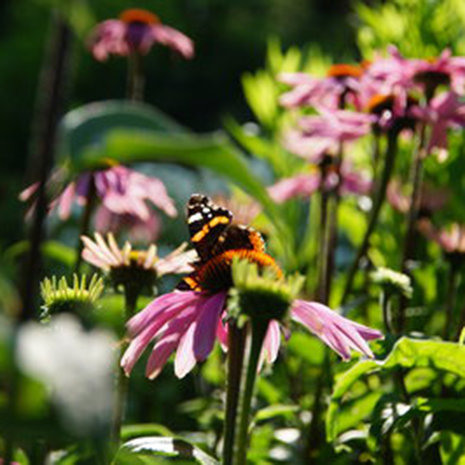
x=241 y=46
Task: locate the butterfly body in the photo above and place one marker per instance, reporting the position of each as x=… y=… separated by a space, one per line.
x=217 y=240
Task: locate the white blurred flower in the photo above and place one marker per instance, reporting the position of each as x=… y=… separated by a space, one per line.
x=77 y=368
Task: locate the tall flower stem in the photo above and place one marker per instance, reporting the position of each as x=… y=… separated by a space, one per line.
x=135 y=83
x=412 y=215
x=385 y=304
x=253 y=349
x=236 y=346
x=332 y=228
x=130 y=298
x=322 y=262
x=452 y=285
x=389 y=162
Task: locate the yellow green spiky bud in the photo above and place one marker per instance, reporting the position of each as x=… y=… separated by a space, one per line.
x=60 y=297
x=259 y=293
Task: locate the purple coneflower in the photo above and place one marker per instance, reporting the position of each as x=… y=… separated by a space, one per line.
x=136 y=30
x=304 y=185
x=340 y=84
x=442 y=112
x=188 y=322
x=121 y=190
x=431 y=199
x=450 y=239
x=324 y=133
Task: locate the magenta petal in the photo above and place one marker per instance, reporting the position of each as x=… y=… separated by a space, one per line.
x=138 y=322
x=207 y=324
x=160 y=354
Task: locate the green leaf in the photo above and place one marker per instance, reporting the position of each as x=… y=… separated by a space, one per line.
x=452 y=449
x=406 y=353
x=144 y=429
x=53 y=250
x=90 y=123
x=159 y=447
x=274 y=411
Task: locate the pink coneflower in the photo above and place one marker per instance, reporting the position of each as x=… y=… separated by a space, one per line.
x=322 y=134
x=121 y=190
x=188 y=322
x=432 y=199
x=332 y=91
x=450 y=239
x=442 y=70
x=136 y=30
x=304 y=185
x=139 y=230
x=442 y=112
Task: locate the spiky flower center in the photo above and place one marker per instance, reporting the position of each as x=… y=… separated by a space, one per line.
x=215 y=274
x=345 y=70
x=139 y=15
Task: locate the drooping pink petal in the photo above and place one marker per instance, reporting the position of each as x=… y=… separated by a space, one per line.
x=340 y=333
x=174 y=39
x=272 y=342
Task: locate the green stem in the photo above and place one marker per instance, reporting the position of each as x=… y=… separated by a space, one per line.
x=236 y=346
x=385 y=303
x=136 y=81
x=322 y=263
x=122 y=380
x=254 y=345
x=389 y=162
x=415 y=200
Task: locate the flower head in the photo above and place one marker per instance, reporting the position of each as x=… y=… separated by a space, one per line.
x=122 y=191
x=136 y=30
x=450 y=239
x=340 y=84
x=126 y=266
x=431 y=199
x=392 y=281
x=442 y=112
x=346 y=178
x=59 y=296
x=319 y=135
x=189 y=321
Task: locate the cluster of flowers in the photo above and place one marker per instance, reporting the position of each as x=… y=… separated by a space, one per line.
x=388 y=95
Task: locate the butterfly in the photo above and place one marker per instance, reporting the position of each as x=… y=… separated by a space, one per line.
x=212 y=233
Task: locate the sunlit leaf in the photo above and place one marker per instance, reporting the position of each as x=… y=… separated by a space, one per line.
x=407 y=353
x=155 y=448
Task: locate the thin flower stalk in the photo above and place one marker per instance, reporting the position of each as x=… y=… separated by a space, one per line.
x=256 y=336
x=389 y=162
x=236 y=348
x=412 y=216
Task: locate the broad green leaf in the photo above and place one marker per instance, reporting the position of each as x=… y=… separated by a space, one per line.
x=406 y=353
x=53 y=250
x=90 y=123
x=153 y=447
